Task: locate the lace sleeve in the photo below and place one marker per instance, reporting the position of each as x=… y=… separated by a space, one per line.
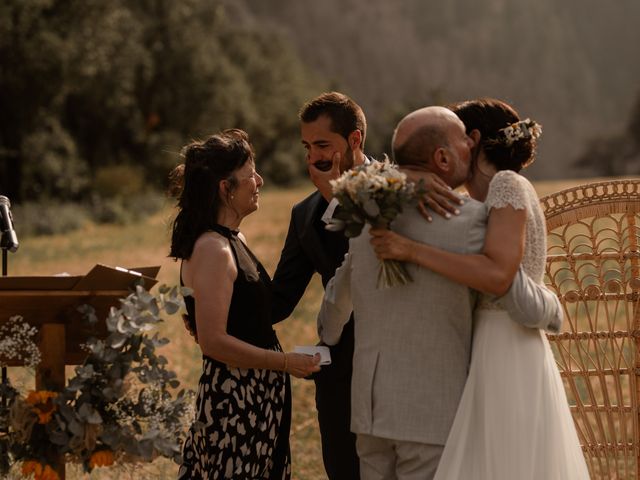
x=506 y=188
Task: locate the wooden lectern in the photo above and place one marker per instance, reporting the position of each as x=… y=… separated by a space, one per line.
x=51 y=305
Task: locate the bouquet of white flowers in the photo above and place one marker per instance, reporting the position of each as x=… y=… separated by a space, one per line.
x=375 y=194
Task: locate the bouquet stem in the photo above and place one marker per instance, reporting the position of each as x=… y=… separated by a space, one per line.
x=392 y=273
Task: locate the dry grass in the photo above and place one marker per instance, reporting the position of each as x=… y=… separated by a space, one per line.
x=147 y=244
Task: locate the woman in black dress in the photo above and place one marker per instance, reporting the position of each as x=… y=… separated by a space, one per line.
x=244 y=401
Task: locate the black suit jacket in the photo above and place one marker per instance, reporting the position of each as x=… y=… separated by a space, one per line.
x=306 y=252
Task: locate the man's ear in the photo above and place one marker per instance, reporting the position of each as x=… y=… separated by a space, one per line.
x=441 y=160
x=355 y=140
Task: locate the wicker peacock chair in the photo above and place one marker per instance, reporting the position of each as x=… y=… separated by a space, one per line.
x=593 y=264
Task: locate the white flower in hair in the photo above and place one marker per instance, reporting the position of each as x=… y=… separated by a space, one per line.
x=524 y=129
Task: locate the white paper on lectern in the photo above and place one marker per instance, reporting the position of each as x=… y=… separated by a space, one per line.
x=325 y=354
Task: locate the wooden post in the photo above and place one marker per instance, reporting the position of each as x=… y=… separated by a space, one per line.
x=50 y=371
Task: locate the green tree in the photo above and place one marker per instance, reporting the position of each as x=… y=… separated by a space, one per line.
x=88 y=84
x=31 y=80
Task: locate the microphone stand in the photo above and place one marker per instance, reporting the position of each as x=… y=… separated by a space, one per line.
x=8 y=241
x=4 y=401
x=5 y=380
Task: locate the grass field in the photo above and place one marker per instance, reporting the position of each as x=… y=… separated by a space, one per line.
x=147 y=244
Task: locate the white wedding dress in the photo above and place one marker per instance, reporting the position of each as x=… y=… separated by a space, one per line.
x=513 y=421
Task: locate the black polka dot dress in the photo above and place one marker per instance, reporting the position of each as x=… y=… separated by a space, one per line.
x=243 y=416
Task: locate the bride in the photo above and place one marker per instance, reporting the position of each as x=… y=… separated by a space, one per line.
x=513 y=421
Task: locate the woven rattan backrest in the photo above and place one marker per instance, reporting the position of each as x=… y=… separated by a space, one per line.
x=593 y=264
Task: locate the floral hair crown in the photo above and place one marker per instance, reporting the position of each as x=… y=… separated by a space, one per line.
x=524 y=129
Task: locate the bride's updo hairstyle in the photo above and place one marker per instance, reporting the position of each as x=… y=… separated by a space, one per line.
x=508 y=142
x=195 y=184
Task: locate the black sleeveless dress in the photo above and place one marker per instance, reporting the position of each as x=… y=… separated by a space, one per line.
x=243 y=416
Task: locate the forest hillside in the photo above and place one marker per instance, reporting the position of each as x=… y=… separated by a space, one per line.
x=571 y=65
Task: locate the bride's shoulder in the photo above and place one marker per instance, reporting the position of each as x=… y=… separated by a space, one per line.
x=508 y=177
x=508 y=188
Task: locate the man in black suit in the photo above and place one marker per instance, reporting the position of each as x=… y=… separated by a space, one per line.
x=333 y=129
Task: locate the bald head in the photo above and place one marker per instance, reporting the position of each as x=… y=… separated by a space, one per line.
x=434 y=139
x=420 y=133
x=435 y=117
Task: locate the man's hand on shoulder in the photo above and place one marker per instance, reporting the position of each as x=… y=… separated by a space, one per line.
x=322 y=172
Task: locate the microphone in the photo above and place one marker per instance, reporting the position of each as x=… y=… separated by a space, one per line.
x=9 y=239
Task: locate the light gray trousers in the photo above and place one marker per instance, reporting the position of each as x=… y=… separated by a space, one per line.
x=386 y=459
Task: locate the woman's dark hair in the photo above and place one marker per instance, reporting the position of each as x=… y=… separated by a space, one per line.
x=489 y=116
x=196 y=185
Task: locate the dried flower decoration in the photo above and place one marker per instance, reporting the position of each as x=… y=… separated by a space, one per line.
x=17 y=343
x=524 y=129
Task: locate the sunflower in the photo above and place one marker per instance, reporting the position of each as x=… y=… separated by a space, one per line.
x=42 y=403
x=101 y=458
x=39 y=472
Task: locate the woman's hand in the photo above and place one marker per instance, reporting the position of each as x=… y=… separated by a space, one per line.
x=439 y=196
x=390 y=245
x=301 y=365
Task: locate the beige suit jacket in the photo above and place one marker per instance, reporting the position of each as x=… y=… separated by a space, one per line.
x=412 y=342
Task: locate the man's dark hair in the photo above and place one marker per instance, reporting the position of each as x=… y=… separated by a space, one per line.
x=345 y=114
x=419 y=147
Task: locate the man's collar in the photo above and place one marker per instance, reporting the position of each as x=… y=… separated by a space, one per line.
x=366 y=160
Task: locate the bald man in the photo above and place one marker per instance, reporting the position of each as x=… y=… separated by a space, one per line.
x=412 y=342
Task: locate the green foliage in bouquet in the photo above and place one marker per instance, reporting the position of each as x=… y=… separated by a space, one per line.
x=119 y=406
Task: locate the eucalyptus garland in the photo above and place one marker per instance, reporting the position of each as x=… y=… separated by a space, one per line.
x=121 y=405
